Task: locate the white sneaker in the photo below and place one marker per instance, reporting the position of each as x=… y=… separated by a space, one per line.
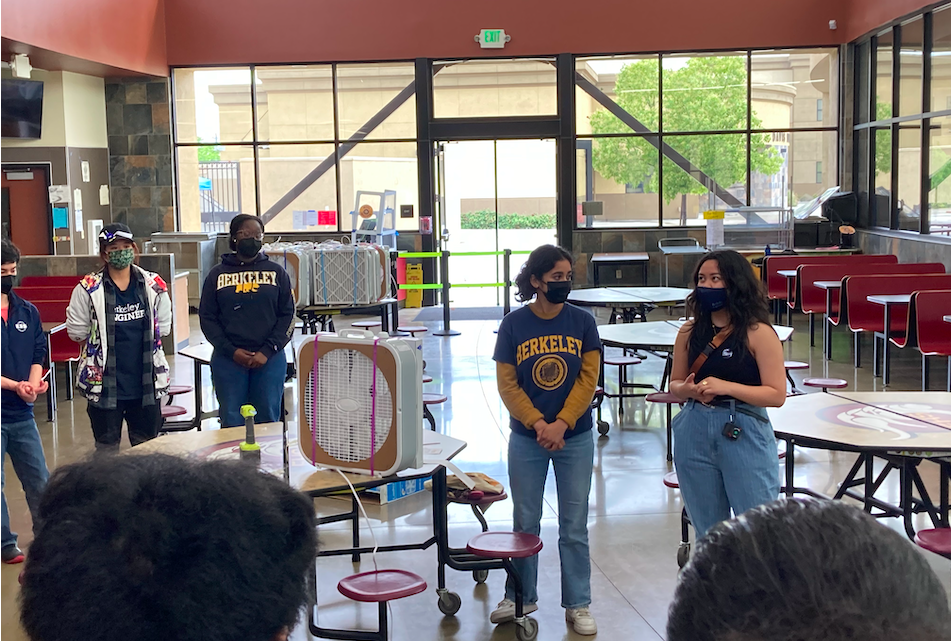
x=581 y=620
x=505 y=611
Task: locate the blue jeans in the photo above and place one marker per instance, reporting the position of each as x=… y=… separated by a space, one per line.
x=235 y=386
x=22 y=441
x=717 y=474
x=528 y=469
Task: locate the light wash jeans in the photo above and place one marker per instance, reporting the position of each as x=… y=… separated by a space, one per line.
x=22 y=441
x=528 y=469
x=717 y=474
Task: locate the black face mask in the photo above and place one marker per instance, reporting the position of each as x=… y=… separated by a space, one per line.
x=558 y=291
x=248 y=247
x=6 y=284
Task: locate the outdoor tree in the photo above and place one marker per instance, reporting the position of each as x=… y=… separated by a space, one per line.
x=704 y=94
x=883 y=140
x=208 y=153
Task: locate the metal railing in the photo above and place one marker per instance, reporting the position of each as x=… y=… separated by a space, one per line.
x=219 y=192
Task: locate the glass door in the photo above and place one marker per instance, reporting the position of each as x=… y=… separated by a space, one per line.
x=493 y=195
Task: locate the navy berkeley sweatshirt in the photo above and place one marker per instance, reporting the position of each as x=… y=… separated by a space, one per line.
x=247 y=306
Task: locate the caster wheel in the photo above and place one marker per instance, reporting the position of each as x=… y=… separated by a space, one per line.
x=527 y=630
x=683 y=553
x=479 y=576
x=449 y=603
x=603 y=428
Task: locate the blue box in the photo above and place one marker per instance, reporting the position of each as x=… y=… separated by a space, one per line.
x=397 y=490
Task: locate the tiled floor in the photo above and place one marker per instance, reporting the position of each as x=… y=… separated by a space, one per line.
x=634 y=520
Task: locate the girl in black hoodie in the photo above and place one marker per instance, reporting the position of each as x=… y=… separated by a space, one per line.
x=247 y=313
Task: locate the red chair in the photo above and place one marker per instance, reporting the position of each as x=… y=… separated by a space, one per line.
x=812 y=300
x=50 y=281
x=927 y=331
x=936 y=540
x=380 y=587
x=35 y=293
x=826 y=383
x=505 y=546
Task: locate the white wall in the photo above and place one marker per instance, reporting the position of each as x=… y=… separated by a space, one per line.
x=84 y=101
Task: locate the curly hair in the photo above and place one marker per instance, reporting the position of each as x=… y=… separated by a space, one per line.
x=802 y=569
x=155 y=547
x=746 y=300
x=541 y=261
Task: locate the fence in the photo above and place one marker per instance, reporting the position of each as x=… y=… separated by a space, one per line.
x=219 y=189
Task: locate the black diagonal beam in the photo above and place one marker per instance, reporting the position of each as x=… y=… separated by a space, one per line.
x=345 y=148
x=676 y=157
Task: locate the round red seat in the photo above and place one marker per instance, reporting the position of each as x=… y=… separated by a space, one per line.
x=175 y=390
x=427 y=378
x=621 y=361
x=485 y=499
x=168 y=411
x=671 y=480
x=434 y=399
x=367 y=324
x=599 y=391
x=663 y=397
x=381 y=585
x=412 y=330
x=937 y=541
x=826 y=383
x=795 y=365
x=504 y=545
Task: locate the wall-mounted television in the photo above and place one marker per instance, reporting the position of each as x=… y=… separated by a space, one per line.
x=21 y=108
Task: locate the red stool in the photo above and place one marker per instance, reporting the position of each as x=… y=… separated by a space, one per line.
x=794 y=365
x=412 y=330
x=177 y=390
x=432 y=399
x=366 y=324
x=825 y=383
x=479 y=506
x=427 y=378
x=505 y=546
x=380 y=587
x=171 y=411
x=622 y=363
x=936 y=540
x=683 y=552
x=669 y=399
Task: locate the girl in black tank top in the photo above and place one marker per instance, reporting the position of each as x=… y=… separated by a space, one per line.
x=724 y=448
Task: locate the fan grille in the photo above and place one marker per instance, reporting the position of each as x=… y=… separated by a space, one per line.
x=344 y=405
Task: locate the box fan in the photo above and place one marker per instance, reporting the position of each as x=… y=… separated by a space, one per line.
x=361 y=407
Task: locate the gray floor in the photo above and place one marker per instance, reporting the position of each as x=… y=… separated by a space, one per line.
x=634 y=520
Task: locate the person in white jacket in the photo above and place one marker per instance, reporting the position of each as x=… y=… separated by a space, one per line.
x=120 y=314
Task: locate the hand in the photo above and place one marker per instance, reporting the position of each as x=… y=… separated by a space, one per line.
x=691 y=388
x=711 y=387
x=550 y=435
x=243 y=357
x=257 y=360
x=25 y=391
x=40 y=387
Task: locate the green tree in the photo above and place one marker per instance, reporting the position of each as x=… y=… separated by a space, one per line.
x=705 y=94
x=208 y=153
x=883 y=140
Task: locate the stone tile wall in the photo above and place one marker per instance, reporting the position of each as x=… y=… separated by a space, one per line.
x=140 y=154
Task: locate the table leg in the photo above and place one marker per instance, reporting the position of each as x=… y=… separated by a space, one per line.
x=51 y=392
x=885 y=361
x=645 y=271
x=196 y=375
x=869 y=481
x=666 y=270
x=790 y=467
x=812 y=329
x=597 y=275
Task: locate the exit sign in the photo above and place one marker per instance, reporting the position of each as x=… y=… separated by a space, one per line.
x=492 y=38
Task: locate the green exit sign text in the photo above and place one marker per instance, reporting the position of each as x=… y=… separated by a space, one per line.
x=492 y=38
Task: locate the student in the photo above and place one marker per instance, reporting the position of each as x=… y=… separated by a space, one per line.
x=154 y=547
x=247 y=313
x=120 y=314
x=798 y=569
x=24 y=352
x=728 y=367
x=547 y=362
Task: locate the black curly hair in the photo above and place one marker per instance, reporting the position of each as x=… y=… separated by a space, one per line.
x=746 y=300
x=541 y=261
x=155 y=547
x=805 y=569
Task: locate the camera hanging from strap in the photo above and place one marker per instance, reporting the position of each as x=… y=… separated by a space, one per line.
x=711 y=347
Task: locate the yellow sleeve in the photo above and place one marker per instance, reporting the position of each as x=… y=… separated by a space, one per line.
x=514 y=397
x=579 y=399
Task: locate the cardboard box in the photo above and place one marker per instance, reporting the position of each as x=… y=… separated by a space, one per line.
x=398 y=490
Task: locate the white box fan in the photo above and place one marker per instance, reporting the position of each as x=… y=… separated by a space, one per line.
x=361 y=402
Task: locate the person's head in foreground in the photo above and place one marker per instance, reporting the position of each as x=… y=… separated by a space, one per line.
x=806 y=570
x=155 y=547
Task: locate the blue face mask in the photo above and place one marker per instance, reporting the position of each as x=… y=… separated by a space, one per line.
x=710 y=298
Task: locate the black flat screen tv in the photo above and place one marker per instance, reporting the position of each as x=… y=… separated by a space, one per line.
x=21 y=108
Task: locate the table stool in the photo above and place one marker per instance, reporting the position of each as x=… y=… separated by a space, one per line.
x=479 y=506
x=935 y=540
x=596 y=401
x=171 y=411
x=380 y=587
x=432 y=399
x=683 y=552
x=505 y=546
x=826 y=383
x=622 y=363
x=427 y=378
x=669 y=399
x=791 y=365
x=366 y=324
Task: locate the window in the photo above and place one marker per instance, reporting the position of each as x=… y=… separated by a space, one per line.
x=705 y=131
x=285 y=157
